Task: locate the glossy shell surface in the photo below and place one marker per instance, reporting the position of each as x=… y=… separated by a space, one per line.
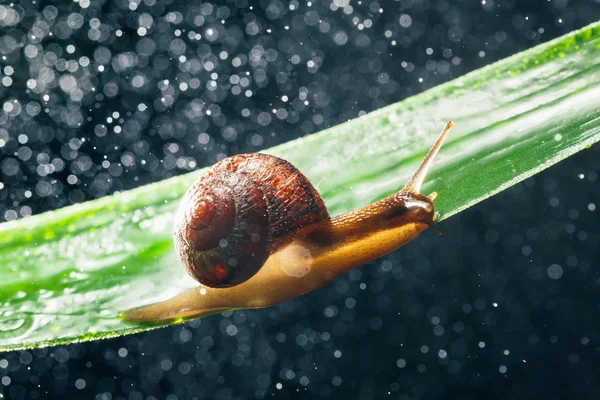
x=231 y=217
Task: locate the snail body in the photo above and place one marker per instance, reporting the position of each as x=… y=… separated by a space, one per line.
x=255 y=232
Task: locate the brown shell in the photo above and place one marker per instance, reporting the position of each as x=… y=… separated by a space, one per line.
x=231 y=217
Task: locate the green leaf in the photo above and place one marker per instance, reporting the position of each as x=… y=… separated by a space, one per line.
x=68 y=274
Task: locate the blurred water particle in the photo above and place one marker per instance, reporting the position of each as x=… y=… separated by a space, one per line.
x=98 y=97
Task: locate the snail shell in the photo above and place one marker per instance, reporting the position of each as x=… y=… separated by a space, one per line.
x=230 y=220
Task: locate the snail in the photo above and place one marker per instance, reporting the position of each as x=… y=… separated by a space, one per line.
x=254 y=232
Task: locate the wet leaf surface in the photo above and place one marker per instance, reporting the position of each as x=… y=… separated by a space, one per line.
x=68 y=274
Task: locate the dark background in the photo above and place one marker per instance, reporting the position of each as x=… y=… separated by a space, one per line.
x=504 y=305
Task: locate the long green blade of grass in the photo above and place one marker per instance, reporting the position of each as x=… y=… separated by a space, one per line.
x=66 y=275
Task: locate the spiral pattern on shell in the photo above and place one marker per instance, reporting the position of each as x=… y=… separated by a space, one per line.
x=230 y=219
